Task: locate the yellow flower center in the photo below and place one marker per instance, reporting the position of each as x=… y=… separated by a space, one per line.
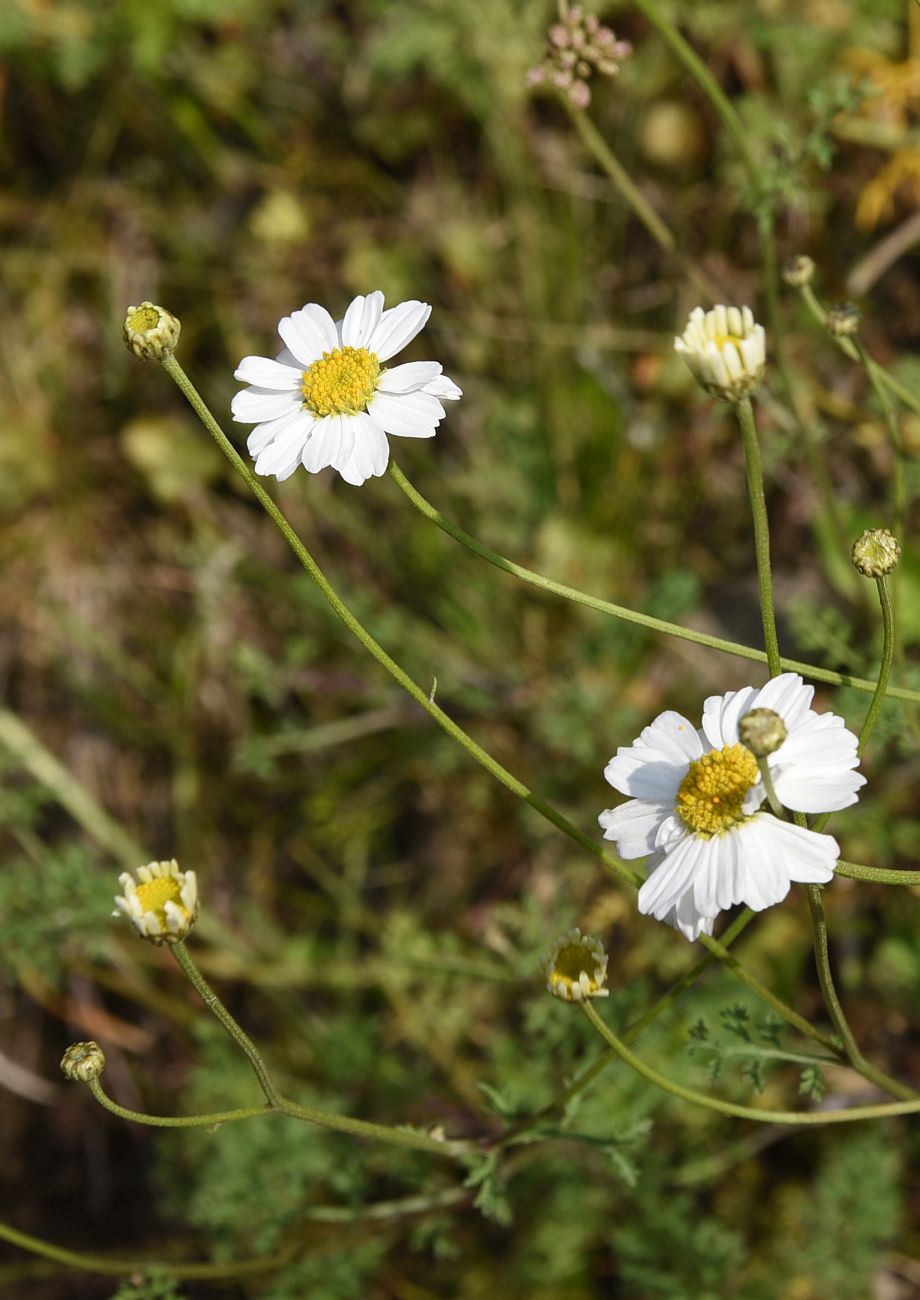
x=720 y=340
x=156 y=893
x=341 y=382
x=710 y=796
x=570 y=961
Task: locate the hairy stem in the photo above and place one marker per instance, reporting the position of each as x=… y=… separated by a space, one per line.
x=731 y=1108
x=758 y=503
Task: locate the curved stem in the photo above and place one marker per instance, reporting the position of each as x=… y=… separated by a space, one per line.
x=877 y=875
x=236 y=1032
x=835 y=1010
x=428 y=511
x=903 y=394
x=731 y=1108
x=120 y=1268
x=890 y=416
x=614 y=865
x=176 y=1121
x=754 y=473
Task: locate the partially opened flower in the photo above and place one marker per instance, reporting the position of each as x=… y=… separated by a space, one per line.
x=697 y=804
x=577 y=968
x=725 y=349
x=162 y=903
x=328 y=398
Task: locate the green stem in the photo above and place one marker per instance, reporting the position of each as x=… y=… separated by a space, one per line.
x=825 y=978
x=176 y=1121
x=884 y=672
x=758 y=503
x=120 y=1268
x=894 y=437
x=904 y=395
x=730 y=1108
x=236 y=1032
x=428 y=511
x=877 y=875
x=421 y=697
x=766 y=777
x=612 y=864
x=881 y=686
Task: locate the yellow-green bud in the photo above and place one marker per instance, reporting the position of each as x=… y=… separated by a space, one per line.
x=576 y=968
x=843 y=320
x=876 y=553
x=799 y=271
x=762 y=732
x=151 y=332
x=83 y=1062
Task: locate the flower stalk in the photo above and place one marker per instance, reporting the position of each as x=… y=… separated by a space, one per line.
x=754 y=474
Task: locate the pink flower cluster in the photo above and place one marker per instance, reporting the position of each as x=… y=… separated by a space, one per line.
x=578 y=47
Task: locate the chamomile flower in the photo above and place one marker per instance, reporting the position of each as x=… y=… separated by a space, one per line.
x=697 y=813
x=162 y=904
x=726 y=351
x=329 y=399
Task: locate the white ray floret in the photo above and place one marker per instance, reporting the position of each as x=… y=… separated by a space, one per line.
x=327 y=399
x=725 y=349
x=162 y=903
x=696 y=805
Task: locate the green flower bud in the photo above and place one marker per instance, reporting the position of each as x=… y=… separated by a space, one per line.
x=843 y=320
x=83 y=1062
x=151 y=332
x=799 y=271
x=876 y=553
x=762 y=732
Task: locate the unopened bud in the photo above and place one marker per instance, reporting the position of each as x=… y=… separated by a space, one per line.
x=151 y=332
x=843 y=320
x=762 y=732
x=876 y=553
x=799 y=271
x=576 y=968
x=83 y=1062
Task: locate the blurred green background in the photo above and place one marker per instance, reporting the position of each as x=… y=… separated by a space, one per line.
x=378 y=905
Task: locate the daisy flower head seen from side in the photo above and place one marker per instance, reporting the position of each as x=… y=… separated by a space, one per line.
x=696 y=807
x=726 y=351
x=329 y=399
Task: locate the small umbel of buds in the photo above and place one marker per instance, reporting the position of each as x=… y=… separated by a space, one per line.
x=576 y=968
x=578 y=47
x=726 y=350
x=162 y=904
x=83 y=1062
x=799 y=271
x=843 y=320
x=876 y=553
x=151 y=332
x=762 y=732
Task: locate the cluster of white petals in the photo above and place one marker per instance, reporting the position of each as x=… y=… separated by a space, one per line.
x=725 y=350
x=696 y=806
x=327 y=399
x=162 y=903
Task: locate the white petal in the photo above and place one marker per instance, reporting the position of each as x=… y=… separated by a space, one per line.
x=409 y=377
x=324 y=445
x=371 y=453
x=267 y=374
x=721 y=714
x=407 y=415
x=285 y=448
x=397 y=327
x=633 y=826
x=308 y=334
x=788 y=696
x=715 y=863
x=361 y=319
x=253 y=405
x=817 y=792
x=688 y=920
x=809 y=856
x=444 y=388
x=646 y=774
x=263 y=434
x=665 y=887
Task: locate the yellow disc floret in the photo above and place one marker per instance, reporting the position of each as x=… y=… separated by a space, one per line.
x=341 y=382
x=711 y=795
x=155 y=894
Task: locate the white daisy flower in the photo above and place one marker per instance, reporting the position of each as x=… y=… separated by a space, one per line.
x=328 y=399
x=696 y=806
x=725 y=349
x=162 y=903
